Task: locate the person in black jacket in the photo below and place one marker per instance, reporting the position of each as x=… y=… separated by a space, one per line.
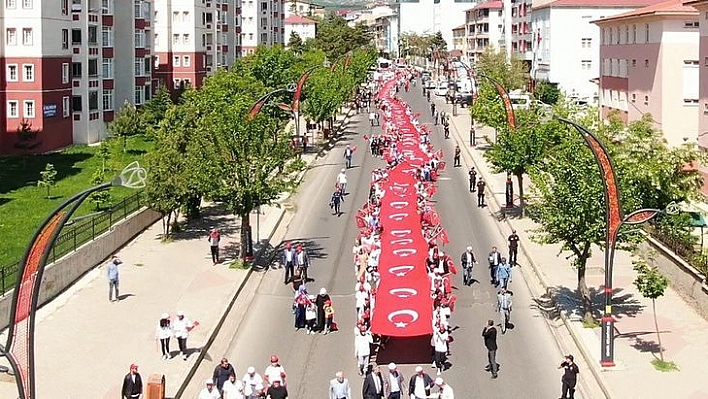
x=467 y=260
x=132 y=384
x=373 y=383
x=420 y=384
x=222 y=373
x=490 y=341
x=570 y=377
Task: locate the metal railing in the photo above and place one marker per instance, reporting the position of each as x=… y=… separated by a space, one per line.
x=76 y=234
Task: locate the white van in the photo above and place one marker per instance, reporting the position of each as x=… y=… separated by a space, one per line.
x=520 y=100
x=441 y=89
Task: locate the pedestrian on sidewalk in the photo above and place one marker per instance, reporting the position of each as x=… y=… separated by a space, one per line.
x=339 y=387
x=570 y=377
x=480 y=193
x=214 y=238
x=302 y=260
x=456 y=159
x=362 y=347
x=504 y=308
x=473 y=179
x=445 y=391
x=132 y=384
x=348 y=153
x=222 y=372
x=467 y=260
x=420 y=384
x=112 y=271
x=164 y=334
x=335 y=203
x=503 y=277
x=287 y=260
x=490 y=342
x=494 y=259
x=446 y=126
x=513 y=247
x=181 y=327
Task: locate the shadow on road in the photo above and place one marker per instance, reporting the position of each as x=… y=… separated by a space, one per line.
x=413 y=350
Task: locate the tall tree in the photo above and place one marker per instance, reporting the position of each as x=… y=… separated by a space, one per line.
x=271 y=66
x=126 y=123
x=295 y=43
x=153 y=112
x=652 y=285
x=336 y=38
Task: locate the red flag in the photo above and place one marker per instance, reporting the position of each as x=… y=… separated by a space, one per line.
x=360 y=222
x=434 y=217
x=353 y=149
x=441 y=166
x=439 y=154
x=443 y=237
x=366 y=138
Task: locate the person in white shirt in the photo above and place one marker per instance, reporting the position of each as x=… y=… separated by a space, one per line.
x=342 y=181
x=274 y=372
x=181 y=326
x=252 y=382
x=233 y=388
x=210 y=391
x=445 y=391
x=339 y=387
x=420 y=384
x=440 y=338
x=164 y=333
x=362 y=347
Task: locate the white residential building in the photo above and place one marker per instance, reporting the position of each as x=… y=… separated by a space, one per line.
x=564 y=46
x=262 y=24
x=304 y=27
x=301 y=8
x=431 y=16
x=484 y=28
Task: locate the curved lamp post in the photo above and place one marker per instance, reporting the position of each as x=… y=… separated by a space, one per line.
x=19 y=348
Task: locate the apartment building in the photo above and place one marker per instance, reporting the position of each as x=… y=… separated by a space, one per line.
x=304 y=27
x=263 y=23
x=193 y=39
x=68 y=65
x=650 y=64
x=302 y=9
x=484 y=28
x=430 y=16
x=702 y=7
x=459 y=43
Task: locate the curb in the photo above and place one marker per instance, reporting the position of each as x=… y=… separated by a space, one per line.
x=215 y=331
x=589 y=359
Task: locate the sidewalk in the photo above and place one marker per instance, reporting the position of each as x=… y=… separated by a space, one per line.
x=85 y=344
x=682 y=328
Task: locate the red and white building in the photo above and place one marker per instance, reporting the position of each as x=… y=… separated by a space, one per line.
x=68 y=65
x=702 y=7
x=304 y=27
x=263 y=23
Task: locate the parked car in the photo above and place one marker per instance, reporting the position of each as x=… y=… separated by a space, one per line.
x=463 y=98
x=441 y=89
x=430 y=84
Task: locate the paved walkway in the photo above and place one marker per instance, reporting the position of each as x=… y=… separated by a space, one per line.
x=85 y=344
x=683 y=330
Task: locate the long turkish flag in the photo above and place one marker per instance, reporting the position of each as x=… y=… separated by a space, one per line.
x=404 y=307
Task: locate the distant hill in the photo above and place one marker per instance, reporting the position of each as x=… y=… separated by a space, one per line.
x=341 y=4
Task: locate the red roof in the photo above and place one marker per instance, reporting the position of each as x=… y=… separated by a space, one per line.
x=296 y=19
x=661 y=8
x=459 y=27
x=489 y=4
x=597 y=4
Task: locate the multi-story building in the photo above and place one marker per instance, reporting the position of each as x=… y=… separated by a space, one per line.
x=301 y=8
x=431 y=16
x=262 y=24
x=563 y=48
x=485 y=28
x=650 y=64
x=702 y=7
x=304 y=27
x=68 y=65
x=193 y=38
x=459 y=43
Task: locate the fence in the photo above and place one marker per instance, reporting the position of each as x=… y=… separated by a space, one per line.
x=76 y=234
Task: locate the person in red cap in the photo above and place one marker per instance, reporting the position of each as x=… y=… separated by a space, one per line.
x=287 y=260
x=302 y=260
x=214 y=238
x=132 y=384
x=274 y=372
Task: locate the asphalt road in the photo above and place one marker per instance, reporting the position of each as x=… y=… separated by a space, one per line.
x=527 y=354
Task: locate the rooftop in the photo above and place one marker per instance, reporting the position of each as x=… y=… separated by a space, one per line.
x=489 y=4
x=597 y=4
x=296 y=19
x=459 y=27
x=667 y=7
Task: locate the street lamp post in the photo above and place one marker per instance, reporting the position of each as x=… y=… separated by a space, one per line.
x=19 y=348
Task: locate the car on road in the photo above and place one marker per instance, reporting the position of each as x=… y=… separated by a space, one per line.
x=430 y=84
x=463 y=98
x=441 y=89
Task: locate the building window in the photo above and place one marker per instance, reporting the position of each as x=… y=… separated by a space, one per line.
x=76 y=36
x=611 y=41
x=65 y=107
x=139 y=66
x=140 y=39
x=107 y=68
x=11 y=36
x=175 y=39
x=13 y=109
x=586 y=65
x=65 y=76
x=617 y=38
x=10 y=4
x=646 y=100
x=634 y=34
x=139 y=95
x=185 y=38
x=634 y=97
x=626 y=34
x=93 y=100
x=28 y=108
x=646 y=33
x=690 y=24
x=138 y=5
x=185 y=16
x=64 y=39
x=156 y=62
x=76 y=69
x=93 y=67
x=64 y=7
x=26 y=3
x=148 y=38
x=586 y=42
x=108 y=100
x=186 y=61
x=12 y=73
x=27 y=36
x=176 y=83
x=28 y=72
x=93 y=35
x=634 y=63
x=107 y=36
x=107 y=7
x=705 y=62
x=187 y=83
x=175 y=60
x=646 y=63
x=690 y=81
x=76 y=104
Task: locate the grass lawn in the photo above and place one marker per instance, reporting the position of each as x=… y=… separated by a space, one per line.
x=23 y=205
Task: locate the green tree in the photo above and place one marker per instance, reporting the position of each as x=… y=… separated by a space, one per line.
x=47 y=178
x=336 y=38
x=547 y=93
x=295 y=43
x=100 y=199
x=239 y=163
x=127 y=123
x=325 y=93
x=652 y=285
x=271 y=66
x=155 y=109
x=104 y=154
